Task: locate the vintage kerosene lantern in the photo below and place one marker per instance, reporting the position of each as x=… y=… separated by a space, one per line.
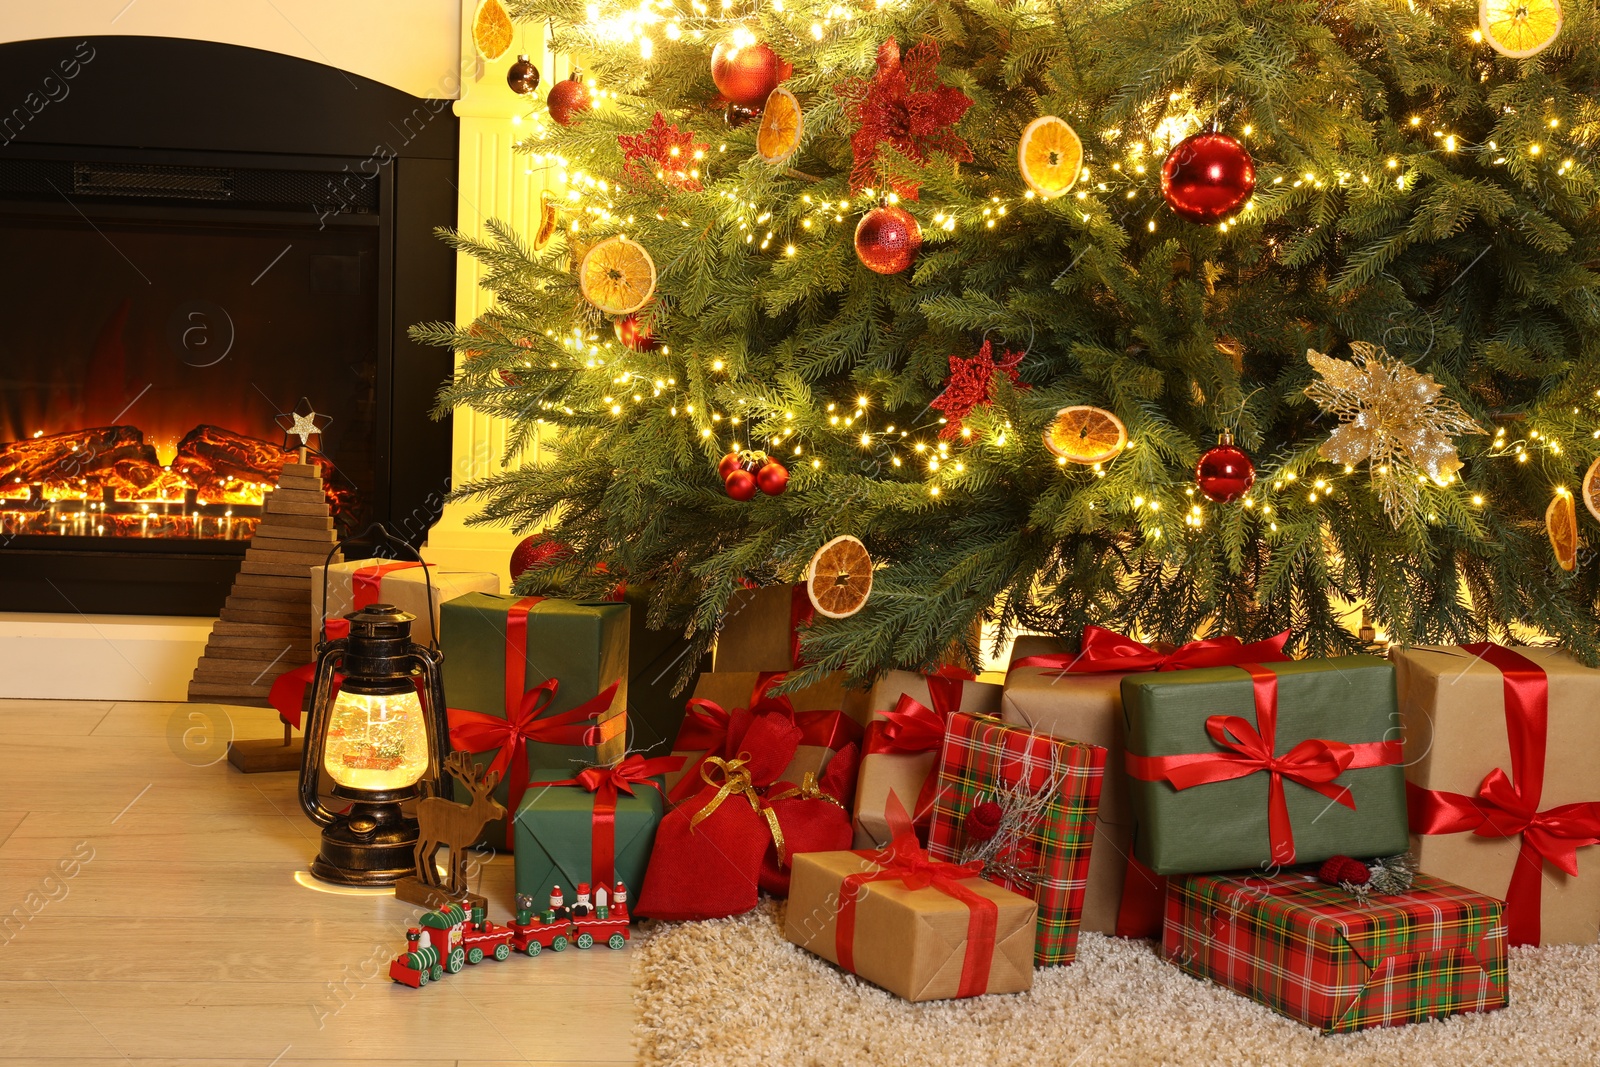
x=377 y=727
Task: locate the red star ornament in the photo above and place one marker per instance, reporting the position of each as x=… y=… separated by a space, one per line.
x=904 y=105
x=669 y=153
x=968 y=386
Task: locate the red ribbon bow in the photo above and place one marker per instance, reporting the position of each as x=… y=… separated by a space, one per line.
x=607 y=783
x=1505 y=806
x=908 y=862
x=1106 y=650
x=1314 y=763
x=911 y=728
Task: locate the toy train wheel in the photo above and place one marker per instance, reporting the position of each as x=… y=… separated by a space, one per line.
x=559 y=944
x=502 y=951
x=585 y=941
x=475 y=955
x=617 y=941
x=457 y=960
x=422 y=978
x=438 y=972
x=534 y=948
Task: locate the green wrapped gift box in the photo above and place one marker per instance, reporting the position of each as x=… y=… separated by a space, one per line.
x=558 y=828
x=550 y=673
x=1263 y=765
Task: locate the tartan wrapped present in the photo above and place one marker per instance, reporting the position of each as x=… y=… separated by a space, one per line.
x=1500 y=765
x=1315 y=953
x=900 y=751
x=534 y=682
x=1264 y=764
x=1044 y=855
x=352 y=586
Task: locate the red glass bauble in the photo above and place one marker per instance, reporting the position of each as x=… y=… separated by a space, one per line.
x=741 y=484
x=887 y=239
x=537 y=550
x=1226 y=472
x=1208 y=177
x=738 y=117
x=568 y=99
x=729 y=464
x=772 y=478
x=634 y=334
x=523 y=76
x=746 y=76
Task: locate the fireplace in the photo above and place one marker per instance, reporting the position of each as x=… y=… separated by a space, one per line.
x=198 y=264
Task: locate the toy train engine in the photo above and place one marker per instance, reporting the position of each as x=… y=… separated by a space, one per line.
x=482 y=937
x=418 y=964
x=444 y=930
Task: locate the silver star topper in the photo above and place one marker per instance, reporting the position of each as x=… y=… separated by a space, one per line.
x=306 y=426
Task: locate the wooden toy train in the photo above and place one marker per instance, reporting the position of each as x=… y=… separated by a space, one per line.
x=446 y=940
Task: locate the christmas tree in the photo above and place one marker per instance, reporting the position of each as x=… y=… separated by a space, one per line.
x=1358 y=237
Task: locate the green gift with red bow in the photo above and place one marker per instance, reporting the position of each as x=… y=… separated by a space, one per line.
x=534 y=682
x=596 y=827
x=1264 y=764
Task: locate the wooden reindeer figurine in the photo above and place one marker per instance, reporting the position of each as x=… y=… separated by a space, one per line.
x=445 y=823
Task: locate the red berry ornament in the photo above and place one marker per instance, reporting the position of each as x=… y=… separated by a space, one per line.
x=568 y=99
x=740 y=483
x=746 y=75
x=634 y=334
x=1337 y=869
x=983 y=821
x=1208 y=177
x=1225 y=473
x=887 y=239
x=772 y=478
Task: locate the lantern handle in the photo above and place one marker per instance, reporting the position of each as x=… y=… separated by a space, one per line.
x=384 y=536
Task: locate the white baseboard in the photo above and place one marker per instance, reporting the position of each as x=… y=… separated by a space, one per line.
x=99 y=657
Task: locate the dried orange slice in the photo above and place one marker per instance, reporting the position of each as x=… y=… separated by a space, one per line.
x=839 y=579
x=1084 y=434
x=1591 y=489
x=492 y=30
x=1519 y=28
x=617 y=276
x=1561 y=523
x=781 y=126
x=547 y=221
x=1049 y=156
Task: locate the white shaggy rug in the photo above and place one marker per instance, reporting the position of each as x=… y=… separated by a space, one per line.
x=733 y=993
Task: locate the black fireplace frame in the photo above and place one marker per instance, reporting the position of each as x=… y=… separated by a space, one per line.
x=184 y=103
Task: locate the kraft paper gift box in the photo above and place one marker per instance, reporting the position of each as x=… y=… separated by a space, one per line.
x=900 y=751
x=1263 y=765
x=1316 y=954
x=563 y=836
x=930 y=943
x=1492 y=732
x=759 y=630
x=534 y=682
x=353 y=586
x=827 y=712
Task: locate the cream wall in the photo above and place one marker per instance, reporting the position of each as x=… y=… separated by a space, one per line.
x=413 y=45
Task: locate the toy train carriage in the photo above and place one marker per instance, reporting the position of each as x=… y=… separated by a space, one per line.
x=533 y=933
x=602 y=925
x=481 y=937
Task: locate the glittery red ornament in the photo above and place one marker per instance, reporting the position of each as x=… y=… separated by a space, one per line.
x=1208 y=177
x=746 y=76
x=772 y=478
x=729 y=464
x=906 y=106
x=968 y=385
x=538 y=550
x=887 y=239
x=1226 y=472
x=568 y=99
x=740 y=483
x=634 y=334
x=662 y=153
x=983 y=821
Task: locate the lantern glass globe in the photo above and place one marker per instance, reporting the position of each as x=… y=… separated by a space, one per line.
x=376 y=742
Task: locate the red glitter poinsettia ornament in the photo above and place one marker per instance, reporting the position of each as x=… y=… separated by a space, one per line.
x=673 y=155
x=968 y=386
x=904 y=105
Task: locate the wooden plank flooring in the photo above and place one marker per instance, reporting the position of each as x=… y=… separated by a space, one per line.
x=149 y=914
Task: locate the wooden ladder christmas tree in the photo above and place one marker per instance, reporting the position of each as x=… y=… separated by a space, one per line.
x=265 y=626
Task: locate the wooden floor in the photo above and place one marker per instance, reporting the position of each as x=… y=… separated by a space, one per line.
x=149 y=914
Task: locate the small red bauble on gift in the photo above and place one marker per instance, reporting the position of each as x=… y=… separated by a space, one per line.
x=887 y=239
x=568 y=99
x=1337 y=869
x=635 y=334
x=1208 y=177
x=772 y=477
x=983 y=821
x=740 y=483
x=746 y=74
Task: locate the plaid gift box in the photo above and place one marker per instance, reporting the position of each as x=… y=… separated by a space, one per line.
x=982 y=759
x=1314 y=953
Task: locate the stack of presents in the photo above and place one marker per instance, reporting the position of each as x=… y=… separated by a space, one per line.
x=1352 y=842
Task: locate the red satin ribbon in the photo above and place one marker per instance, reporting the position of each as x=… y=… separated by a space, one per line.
x=1506 y=806
x=911 y=728
x=366 y=583
x=1313 y=763
x=607 y=783
x=906 y=861
x=1106 y=650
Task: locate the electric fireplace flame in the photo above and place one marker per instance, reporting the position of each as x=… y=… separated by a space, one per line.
x=108 y=481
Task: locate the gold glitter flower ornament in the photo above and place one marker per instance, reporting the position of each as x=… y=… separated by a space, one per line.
x=1398 y=420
